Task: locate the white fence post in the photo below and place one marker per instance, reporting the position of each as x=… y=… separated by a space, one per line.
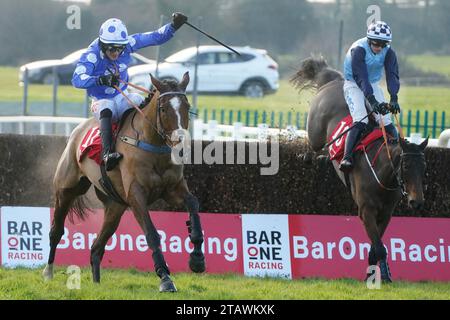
x=263 y=131
x=237 y=131
x=197 y=133
x=212 y=130
x=444 y=139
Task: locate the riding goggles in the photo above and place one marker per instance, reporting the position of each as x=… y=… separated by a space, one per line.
x=378 y=43
x=114 y=47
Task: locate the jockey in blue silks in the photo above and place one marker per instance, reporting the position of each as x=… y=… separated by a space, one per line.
x=104 y=63
x=363 y=69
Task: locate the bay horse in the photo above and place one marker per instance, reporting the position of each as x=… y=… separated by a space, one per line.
x=141 y=178
x=375 y=188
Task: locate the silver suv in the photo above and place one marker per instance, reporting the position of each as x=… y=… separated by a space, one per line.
x=253 y=74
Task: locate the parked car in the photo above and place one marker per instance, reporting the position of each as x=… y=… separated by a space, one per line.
x=42 y=71
x=254 y=73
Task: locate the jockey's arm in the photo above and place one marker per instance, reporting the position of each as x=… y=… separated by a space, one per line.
x=360 y=73
x=392 y=74
x=82 y=77
x=153 y=38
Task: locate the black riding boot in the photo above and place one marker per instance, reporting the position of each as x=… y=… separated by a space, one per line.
x=391 y=130
x=352 y=138
x=110 y=158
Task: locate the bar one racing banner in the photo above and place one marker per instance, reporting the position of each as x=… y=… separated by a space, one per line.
x=275 y=245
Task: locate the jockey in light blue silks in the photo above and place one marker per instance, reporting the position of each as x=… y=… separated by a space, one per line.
x=104 y=63
x=363 y=69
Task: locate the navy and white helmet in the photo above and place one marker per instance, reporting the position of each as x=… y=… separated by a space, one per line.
x=113 y=31
x=379 y=30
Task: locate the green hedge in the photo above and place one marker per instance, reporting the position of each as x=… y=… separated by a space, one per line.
x=27 y=165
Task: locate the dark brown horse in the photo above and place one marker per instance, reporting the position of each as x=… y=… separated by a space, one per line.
x=376 y=189
x=141 y=178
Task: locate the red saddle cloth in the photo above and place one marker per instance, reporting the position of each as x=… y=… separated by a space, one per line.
x=336 y=150
x=91 y=145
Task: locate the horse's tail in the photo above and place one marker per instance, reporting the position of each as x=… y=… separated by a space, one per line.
x=314 y=73
x=78 y=209
x=73 y=200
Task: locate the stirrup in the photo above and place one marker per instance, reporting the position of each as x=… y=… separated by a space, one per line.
x=111 y=160
x=346 y=165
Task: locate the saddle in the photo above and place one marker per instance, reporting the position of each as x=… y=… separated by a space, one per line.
x=370 y=134
x=91 y=146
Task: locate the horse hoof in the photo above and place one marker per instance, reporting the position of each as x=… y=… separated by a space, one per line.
x=324 y=161
x=385 y=272
x=308 y=158
x=48 y=272
x=167 y=285
x=197 y=263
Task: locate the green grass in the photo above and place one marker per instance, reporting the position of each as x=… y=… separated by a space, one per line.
x=431 y=63
x=11 y=91
x=132 y=284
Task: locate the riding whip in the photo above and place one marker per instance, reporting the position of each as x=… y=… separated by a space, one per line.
x=345 y=131
x=212 y=38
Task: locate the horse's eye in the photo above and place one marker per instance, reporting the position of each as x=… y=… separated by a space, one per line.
x=163 y=109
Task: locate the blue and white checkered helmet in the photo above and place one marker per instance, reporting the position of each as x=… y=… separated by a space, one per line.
x=379 y=30
x=113 y=31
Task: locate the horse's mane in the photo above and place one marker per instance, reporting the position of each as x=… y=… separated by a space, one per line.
x=314 y=73
x=172 y=84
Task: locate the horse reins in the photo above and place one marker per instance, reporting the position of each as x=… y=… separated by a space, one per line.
x=162 y=133
x=395 y=172
x=135 y=106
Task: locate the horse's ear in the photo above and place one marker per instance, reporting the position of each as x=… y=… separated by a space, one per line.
x=424 y=144
x=184 y=81
x=403 y=143
x=158 y=84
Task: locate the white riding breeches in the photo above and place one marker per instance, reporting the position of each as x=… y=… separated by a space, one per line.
x=118 y=105
x=356 y=102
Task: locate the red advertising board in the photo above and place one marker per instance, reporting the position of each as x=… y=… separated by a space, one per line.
x=281 y=245
x=337 y=247
x=128 y=247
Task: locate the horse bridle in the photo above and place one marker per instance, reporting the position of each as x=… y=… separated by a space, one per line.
x=397 y=173
x=402 y=156
x=159 y=126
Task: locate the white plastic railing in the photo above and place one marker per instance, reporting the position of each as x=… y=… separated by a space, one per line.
x=207 y=131
x=42 y=121
x=214 y=131
x=444 y=139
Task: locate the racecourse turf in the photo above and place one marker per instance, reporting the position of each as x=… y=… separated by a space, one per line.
x=133 y=284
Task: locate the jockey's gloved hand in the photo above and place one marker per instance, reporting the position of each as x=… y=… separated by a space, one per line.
x=178 y=19
x=394 y=106
x=376 y=106
x=373 y=103
x=109 y=80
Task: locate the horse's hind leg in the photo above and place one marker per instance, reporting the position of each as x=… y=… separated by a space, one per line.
x=138 y=202
x=113 y=214
x=308 y=155
x=64 y=199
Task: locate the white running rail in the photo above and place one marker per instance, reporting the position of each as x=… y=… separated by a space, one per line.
x=68 y=122
x=206 y=131
x=214 y=131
